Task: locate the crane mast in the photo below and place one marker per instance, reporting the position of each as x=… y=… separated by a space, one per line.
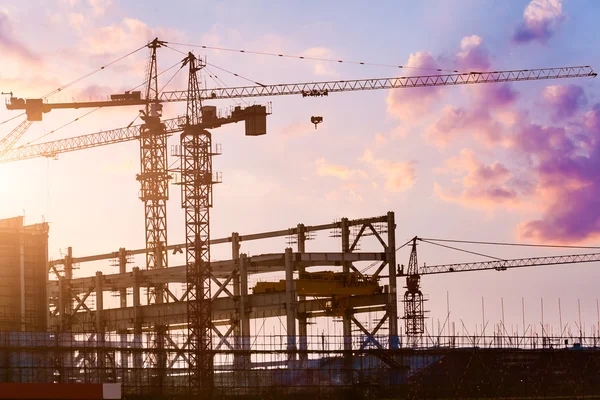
x=154 y=177
x=197 y=181
x=414 y=311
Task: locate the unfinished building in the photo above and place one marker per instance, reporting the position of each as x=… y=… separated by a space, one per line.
x=23 y=276
x=143 y=347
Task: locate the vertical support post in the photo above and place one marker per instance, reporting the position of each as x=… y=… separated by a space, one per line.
x=123 y=304
x=47 y=269
x=237 y=328
x=302 y=320
x=101 y=355
x=290 y=305
x=62 y=317
x=123 y=270
x=347 y=313
x=392 y=295
x=99 y=303
x=244 y=317
x=22 y=314
x=138 y=359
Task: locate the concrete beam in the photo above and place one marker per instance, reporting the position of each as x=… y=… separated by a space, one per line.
x=264 y=305
x=221 y=269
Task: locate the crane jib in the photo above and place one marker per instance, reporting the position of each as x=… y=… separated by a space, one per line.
x=502 y=265
x=316 y=89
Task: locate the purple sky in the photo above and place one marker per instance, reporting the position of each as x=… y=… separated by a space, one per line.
x=506 y=162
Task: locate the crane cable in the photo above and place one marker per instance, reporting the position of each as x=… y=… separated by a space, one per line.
x=10 y=119
x=62 y=126
x=262 y=53
x=96 y=109
x=513 y=244
x=59 y=89
x=462 y=250
x=377 y=262
x=222 y=69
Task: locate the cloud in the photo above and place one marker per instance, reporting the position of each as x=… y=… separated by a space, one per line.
x=337 y=171
x=541 y=19
x=123 y=37
x=457 y=122
x=348 y=193
x=398 y=176
x=479 y=119
x=472 y=55
x=480 y=185
x=321 y=67
x=99 y=6
x=11 y=46
x=564 y=100
x=567 y=169
x=76 y=20
x=412 y=104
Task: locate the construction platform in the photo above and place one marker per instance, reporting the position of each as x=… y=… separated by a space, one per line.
x=345 y=345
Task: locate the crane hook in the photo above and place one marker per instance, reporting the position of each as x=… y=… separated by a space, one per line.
x=316 y=120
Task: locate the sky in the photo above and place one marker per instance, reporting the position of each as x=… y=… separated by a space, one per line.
x=501 y=162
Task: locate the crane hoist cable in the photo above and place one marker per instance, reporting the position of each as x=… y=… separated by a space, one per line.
x=377 y=262
x=220 y=82
x=234 y=74
x=59 y=89
x=96 y=109
x=215 y=76
x=462 y=250
x=12 y=118
x=512 y=244
x=62 y=126
x=312 y=58
x=178 y=63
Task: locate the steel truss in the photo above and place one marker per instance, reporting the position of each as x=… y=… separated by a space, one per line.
x=196 y=197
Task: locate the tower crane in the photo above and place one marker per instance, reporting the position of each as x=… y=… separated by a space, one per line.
x=196 y=164
x=414 y=310
x=7 y=142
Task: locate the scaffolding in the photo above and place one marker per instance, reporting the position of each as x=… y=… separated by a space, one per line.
x=321 y=345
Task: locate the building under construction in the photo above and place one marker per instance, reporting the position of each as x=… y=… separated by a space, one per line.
x=100 y=329
x=335 y=312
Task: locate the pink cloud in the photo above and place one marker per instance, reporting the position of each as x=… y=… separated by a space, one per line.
x=568 y=187
x=337 y=171
x=564 y=100
x=472 y=55
x=478 y=120
x=11 y=46
x=458 y=122
x=480 y=185
x=541 y=20
x=412 y=104
x=398 y=176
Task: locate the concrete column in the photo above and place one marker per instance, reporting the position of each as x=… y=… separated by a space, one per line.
x=392 y=295
x=100 y=342
x=302 y=320
x=347 y=316
x=47 y=269
x=346 y=319
x=99 y=303
x=237 y=328
x=123 y=270
x=138 y=358
x=123 y=304
x=244 y=316
x=22 y=314
x=69 y=276
x=290 y=305
x=62 y=317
